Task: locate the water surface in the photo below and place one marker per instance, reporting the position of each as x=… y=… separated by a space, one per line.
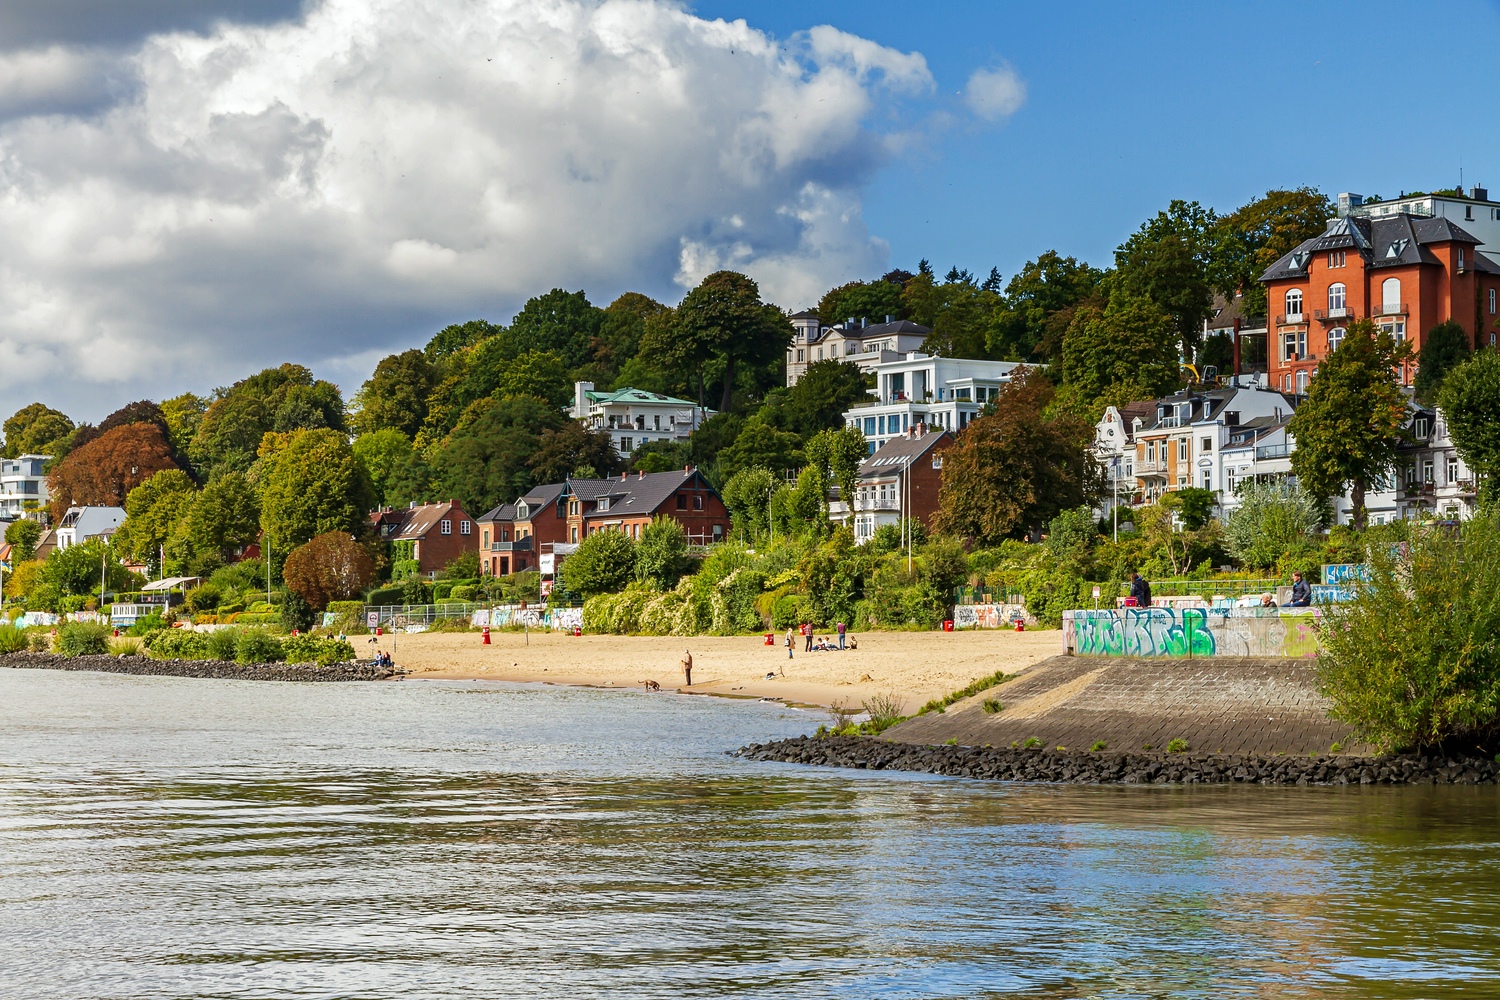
x=167 y=837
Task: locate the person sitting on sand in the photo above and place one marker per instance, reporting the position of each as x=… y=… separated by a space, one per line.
x=853 y=642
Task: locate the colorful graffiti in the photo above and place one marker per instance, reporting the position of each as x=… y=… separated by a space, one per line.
x=566 y=619
x=988 y=615
x=1192 y=632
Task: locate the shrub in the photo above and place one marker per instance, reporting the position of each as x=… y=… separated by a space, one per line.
x=39 y=639
x=661 y=555
x=222 y=643
x=441 y=591
x=83 y=639
x=382 y=596
x=258 y=646
x=884 y=711
x=992 y=705
x=1177 y=746
x=12 y=639
x=296 y=613
x=322 y=651
x=331 y=567
x=1413 y=660
x=603 y=563
x=178 y=644
x=464 y=592
x=787 y=612
x=153 y=622
x=203 y=598
x=125 y=645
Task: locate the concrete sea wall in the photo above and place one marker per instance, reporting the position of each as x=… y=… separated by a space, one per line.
x=1192 y=632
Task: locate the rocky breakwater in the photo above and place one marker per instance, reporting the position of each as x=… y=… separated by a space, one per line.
x=1138 y=768
x=217 y=669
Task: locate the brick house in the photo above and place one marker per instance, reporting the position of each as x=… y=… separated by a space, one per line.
x=512 y=535
x=1407 y=273
x=629 y=503
x=900 y=480
x=432 y=534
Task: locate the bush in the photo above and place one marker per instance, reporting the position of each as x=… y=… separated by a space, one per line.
x=308 y=649
x=153 y=622
x=39 y=639
x=1413 y=660
x=12 y=639
x=787 y=612
x=603 y=563
x=383 y=596
x=222 y=643
x=178 y=644
x=464 y=592
x=125 y=646
x=661 y=555
x=83 y=639
x=258 y=646
x=203 y=598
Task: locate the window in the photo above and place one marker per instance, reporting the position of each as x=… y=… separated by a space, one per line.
x=1419 y=427
x=1208 y=479
x=445 y=527
x=820 y=354
x=1183 y=448
x=484 y=539
x=682 y=501
x=1469 y=213
x=1395 y=328
x=1302 y=382
x=572 y=534
x=869 y=426
x=1151 y=452
x=640 y=422
x=656 y=422
x=627 y=444
x=465 y=527
x=1390 y=295
x=1336 y=258
x=1294 y=345
x=1293 y=304
x=1206 y=445
x=1460 y=258
x=937 y=461
x=1335 y=338
x=1492 y=302
x=801 y=354
x=1337 y=297
x=603 y=503
x=697 y=501
x=1426 y=471
x=1452 y=469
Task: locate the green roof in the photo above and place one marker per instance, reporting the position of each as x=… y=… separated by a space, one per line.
x=628 y=395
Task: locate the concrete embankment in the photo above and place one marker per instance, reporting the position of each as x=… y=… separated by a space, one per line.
x=1249 y=705
x=1006 y=764
x=219 y=669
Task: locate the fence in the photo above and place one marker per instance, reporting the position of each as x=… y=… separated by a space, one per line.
x=498 y=616
x=1192 y=632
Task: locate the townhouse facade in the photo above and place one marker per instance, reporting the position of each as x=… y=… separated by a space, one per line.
x=79 y=524
x=900 y=480
x=634 y=417
x=1471 y=208
x=921 y=389
x=1407 y=273
x=854 y=340
x=23 y=486
x=430 y=535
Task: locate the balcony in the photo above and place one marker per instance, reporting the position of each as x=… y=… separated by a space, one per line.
x=519 y=545
x=1391 y=309
x=1291 y=319
x=1152 y=466
x=1332 y=315
x=1272 y=451
x=876 y=503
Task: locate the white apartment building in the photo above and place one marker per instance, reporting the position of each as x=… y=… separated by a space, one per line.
x=80 y=524
x=634 y=416
x=855 y=340
x=22 y=480
x=943 y=393
x=1475 y=214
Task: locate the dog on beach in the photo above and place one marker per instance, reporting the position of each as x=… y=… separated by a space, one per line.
x=651 y=685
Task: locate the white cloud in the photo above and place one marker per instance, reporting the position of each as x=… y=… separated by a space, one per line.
x=319 y=190
x=993 y=94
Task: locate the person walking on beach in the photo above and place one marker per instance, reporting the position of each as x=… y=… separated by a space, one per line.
x=807 y=631
x=841 y=635
x=687 y=667
x=1140 y=590
x=789 y=643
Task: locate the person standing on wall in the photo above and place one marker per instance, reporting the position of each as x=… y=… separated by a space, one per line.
x=1140 y=590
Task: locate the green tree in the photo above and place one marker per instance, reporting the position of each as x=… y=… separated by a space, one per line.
x=747 y=496
x=282 y=399
x=452 y=339
x=604 y=562
x=1167 y=261
x=872 y=300
x=152 y=511
x=619 y=337
x=222 y=520
x=1470 y=401
x=32 y=429
x=542 y=374
x=563 y=322
x=311 y=486
x=490 y=461
x=22 y=537
x=183 y=414
x=1014 y=469
x=1349 y=428
x=957 y=310
x=724 y=322
x=837 y=456
x=395 y=395
x=823 y=394
x=570 y=447
x=384 y=453
x=761 y=443
x=77 y=568
x=1131 y=342
x=1039 y=304
x=661 y=554
x=1272 y=520
x=1195 y=506
x=1445 y=347
x=1256 y=235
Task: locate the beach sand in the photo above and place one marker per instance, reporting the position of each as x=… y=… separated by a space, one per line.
x=916 y=666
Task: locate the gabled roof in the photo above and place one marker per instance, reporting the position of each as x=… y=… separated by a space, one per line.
x=414 y=523
x=629 y=395
x=504 y=512
x=899 y=452
x=1391 y=241
x=641 y=495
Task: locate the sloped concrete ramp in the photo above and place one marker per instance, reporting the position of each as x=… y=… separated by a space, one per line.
x=1248 y=705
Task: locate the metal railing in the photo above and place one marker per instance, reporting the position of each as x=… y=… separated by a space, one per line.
x=1291 y=319
x=1390 y=309
x=1273 y=451
x=1327 y=315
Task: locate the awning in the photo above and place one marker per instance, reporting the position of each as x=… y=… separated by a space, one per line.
x=171 y=582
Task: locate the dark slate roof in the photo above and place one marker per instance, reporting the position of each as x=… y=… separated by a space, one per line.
x=640 y=495
x=1144 y=408
x=1392 y=241
x=898 y=451
x=591 y=489
x=504 y=512
x=544 y=494
x=804 y=314
x=1484 y=265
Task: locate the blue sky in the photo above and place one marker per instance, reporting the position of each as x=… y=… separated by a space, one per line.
x=1131 y=105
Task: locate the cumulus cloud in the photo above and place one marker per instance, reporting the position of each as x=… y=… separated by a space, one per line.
x=326 y=188
x=993 y=94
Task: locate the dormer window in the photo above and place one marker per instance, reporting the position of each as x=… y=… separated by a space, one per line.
x=1397 y=248
x=604 y=503
x=1336 y=258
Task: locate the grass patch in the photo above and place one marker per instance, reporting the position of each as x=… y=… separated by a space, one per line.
x=992 y=706
x=126 y=645
x=975 y=686
x=1177 y=746
x=1098 y=746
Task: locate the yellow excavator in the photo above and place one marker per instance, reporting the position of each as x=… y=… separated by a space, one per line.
x=1201 y=376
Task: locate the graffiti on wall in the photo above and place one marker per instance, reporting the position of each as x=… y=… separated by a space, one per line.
x=1192 y=632
x=987 y=615
x=558 y=618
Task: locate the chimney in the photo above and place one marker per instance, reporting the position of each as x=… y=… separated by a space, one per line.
x=623 y=475
x=581 y=399
x=849 y=323
x=413 y=505
x=640 y=473
x=889 y=318
x=1479 y=194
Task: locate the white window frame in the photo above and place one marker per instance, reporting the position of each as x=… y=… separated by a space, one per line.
x=1335 y=338
x=465 y=527
x=1294 y=303
x=1338 y=296
x=445 y=527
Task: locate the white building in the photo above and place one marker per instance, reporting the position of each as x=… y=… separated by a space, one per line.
x=634 y=416
x=22 y=480
x=1475 y=214
x=80 y=524
x=943 y=393
x=855 y=340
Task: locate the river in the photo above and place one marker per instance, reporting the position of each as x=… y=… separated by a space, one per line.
x=167 y=837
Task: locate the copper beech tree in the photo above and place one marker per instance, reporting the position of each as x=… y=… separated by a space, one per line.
x=1014 y=469
x=331 y=567
x=104 y=471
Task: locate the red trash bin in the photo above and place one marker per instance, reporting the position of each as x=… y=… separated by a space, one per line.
x=948 y=625
x=486 y=636
x=770 y=638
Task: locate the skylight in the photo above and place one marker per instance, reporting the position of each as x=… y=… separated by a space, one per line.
x=1397 y=248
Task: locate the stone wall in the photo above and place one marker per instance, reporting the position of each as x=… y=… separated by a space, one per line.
x=219 y=669
x=1192 y=632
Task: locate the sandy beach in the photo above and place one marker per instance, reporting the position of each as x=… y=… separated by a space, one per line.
x=916 y=666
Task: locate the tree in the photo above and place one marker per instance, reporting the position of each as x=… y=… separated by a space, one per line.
x=1253 y=237
x=183 y=414
x=1167 y=261
x=619 y=337
x=76 y=569
x=761 y=443
x=395 y=395
x=873 y=300
x=1272 y=520
x=32 y=428
x=152 y=511
x=562 y=322
x=282 y=399
x=222 y=520
x=1349 y=428
x=1016 y=468
x=1470 y=401
x=22 y=537
x=452 y=339
x=603 y=563
x=384 y=453
x=542 y=374
x=661 y=554
x=572 y=446
x=957 y=310
x=747 y=496
x=1132 y=341
x=489 y=461
x=330 y=567
x=837 y=456
x=104 y=471
x=1038 y=305
x=1445 y=347
x=724 y=321
x=310 y=486
x=822 y=395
